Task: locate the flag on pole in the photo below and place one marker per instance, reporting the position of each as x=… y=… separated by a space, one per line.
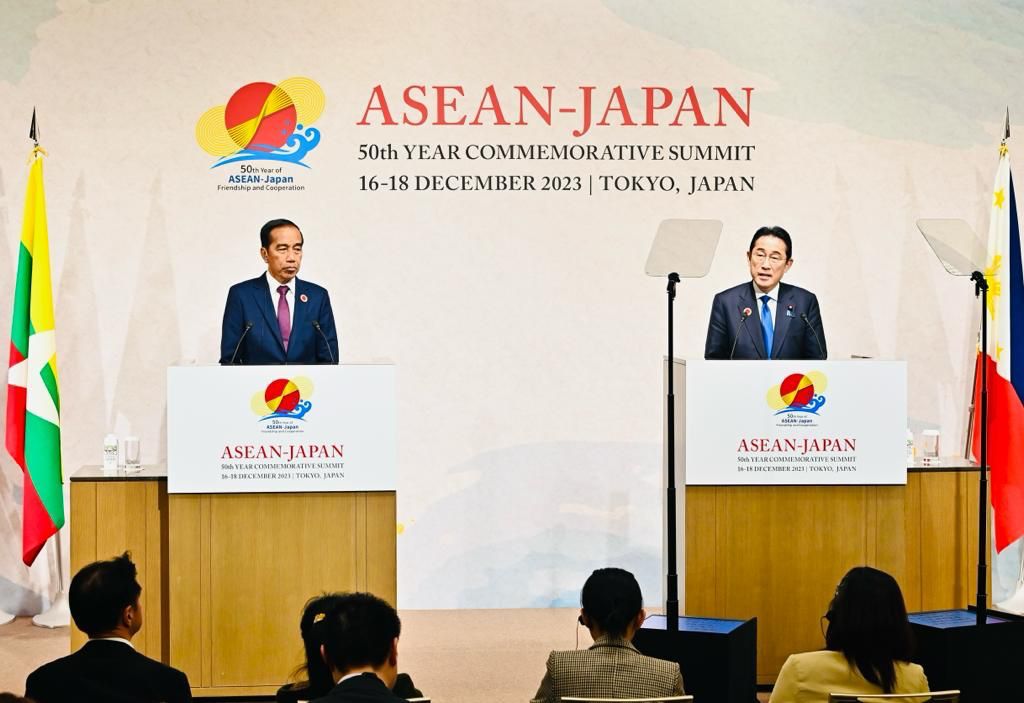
x=33 y=400
x=1005 y=359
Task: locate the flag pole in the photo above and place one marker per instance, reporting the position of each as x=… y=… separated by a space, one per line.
x=6 y=617
x=58 y=614
x=1012 y=603
x=981 y=288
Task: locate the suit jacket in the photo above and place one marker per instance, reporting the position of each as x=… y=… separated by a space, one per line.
x=305 y=690
x=250 y=302
x=105 y=671
x=793 y=338
x=809 y=678
x=365 y=688
x=611 y=668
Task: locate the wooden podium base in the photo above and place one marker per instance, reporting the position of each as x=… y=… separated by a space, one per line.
x=242 y=566
x=777 y=552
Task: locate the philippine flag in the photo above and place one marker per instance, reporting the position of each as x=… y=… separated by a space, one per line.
x=1005 y=360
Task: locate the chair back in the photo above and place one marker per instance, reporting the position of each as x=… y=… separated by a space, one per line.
x=923 y=697
x=660 y=699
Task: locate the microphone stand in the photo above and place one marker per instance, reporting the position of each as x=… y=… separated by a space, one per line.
x=672 y=585
x=981 y=289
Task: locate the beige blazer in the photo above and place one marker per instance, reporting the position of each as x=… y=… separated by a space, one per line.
x=611 y=668
x=809 y=678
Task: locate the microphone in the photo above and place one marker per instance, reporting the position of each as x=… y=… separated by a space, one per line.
x=743 y=321
x=316 y=324
x=821 y=351
x=248 y=326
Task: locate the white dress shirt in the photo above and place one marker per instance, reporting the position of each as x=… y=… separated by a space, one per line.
x=289 y=296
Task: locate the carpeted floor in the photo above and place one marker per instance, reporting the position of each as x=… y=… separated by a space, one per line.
x=453 y=656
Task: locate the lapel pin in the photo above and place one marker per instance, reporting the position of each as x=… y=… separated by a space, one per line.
x=789 y=311
x=304 y=298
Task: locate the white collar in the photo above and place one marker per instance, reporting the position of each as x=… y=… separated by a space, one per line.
x=773 y=294
x=275 y=284
x=112 y=639
x=355 y=674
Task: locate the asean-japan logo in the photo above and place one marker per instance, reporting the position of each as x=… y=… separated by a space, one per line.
x=284 y=399
x=264 y=122
x=798 y=393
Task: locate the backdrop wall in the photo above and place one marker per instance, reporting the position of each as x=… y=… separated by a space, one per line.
x=528 y=341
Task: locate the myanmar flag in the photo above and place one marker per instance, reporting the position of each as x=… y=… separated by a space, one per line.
x=33 y=401
x=1004 y=358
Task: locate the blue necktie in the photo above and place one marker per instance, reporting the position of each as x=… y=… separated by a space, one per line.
x=767 y=329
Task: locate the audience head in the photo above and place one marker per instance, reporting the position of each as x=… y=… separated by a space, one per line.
x=313 y=627
x=612 y=603
x=104 y=598
x=361 y=634
x=867 y=622
x=12 y=698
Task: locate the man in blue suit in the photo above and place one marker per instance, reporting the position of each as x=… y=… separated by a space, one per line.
x=276 y=318
x=765 y=318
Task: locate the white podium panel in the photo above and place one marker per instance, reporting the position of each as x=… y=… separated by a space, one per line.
x=794 y=422
x=271 y=429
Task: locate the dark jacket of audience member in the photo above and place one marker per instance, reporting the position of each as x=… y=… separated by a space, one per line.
x=611 y=668
x=319 y=680
x=868 y=645
x=104 y=600
x=359 y=634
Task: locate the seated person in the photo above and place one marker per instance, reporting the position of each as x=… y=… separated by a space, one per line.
x=612 y=668
x=360 y=648
x=319 y=679
x=104 y=601
x=867 y=645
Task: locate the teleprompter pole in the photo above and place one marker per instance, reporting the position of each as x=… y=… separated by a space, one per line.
x=672 y=585
x=981 y=289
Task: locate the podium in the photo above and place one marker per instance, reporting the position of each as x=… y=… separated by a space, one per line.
x=279 y=486
x=775 y=547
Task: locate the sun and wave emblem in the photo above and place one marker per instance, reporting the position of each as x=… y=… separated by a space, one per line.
x=798 y=393
x=264 y=121
x=284 y=398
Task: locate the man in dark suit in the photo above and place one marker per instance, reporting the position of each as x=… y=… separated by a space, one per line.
x=786 y=320
x=275 y=318
x=104 y=600
x=361 y=648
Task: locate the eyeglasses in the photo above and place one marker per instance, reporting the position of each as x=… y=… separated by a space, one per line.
x=760 y=256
